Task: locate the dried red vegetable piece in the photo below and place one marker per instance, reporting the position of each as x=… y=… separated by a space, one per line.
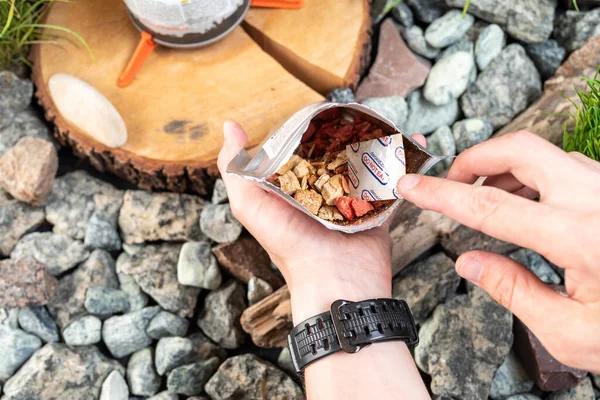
x=310 y=131
x=328 y=114
x=344 y=204
x=361 y=207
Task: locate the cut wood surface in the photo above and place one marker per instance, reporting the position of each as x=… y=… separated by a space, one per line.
x=328 y=51
x=175 y=108
x=415 y=231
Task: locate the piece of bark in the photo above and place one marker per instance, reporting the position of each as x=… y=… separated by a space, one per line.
x=25 y=282
x=466 y=239
x=246 y=258
x=339 y=46
x=270 y=320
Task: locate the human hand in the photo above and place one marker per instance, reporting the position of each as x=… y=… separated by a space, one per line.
x=564 y=227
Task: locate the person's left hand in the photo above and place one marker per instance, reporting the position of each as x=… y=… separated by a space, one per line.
x=318 y=264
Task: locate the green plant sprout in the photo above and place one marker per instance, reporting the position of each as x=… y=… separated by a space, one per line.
x=21 y=26
x=585 y=136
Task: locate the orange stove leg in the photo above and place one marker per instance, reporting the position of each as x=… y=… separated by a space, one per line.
x=143 y=50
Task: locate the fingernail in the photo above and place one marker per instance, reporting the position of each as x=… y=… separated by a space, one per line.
x=470 y=269
x=407 y=182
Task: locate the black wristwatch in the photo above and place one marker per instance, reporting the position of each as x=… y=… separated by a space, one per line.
x=350 y=326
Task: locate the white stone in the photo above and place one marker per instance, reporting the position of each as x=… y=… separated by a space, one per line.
x=114 y=387
x=449 y=78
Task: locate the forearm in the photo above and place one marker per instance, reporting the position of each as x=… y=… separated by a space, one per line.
x=383 y=371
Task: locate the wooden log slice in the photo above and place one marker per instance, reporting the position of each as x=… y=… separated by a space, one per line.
x=175 y=108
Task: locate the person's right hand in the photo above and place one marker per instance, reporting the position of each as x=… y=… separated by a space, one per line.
x=564 y=227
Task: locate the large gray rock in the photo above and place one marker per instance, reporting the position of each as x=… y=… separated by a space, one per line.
x=15 y=96
x=25 y=124
x=584 y=391
x=67 y=303
x=147 y=216
x=141 y=374
x=403 y=14
x=166 y=324
x=425 y=284
x=424 y=117
x=104 y=301
x=393 y=108
x=75 y=197
x=16 y=219
x=573 y=28
x=102 y=231
x=526 y=20
x=427 y=10
x=16 y=346
x=511 y=378
x=58 y=252
x=173 y=352
x=489 y=44
x=448 y=29
x=248 y=377
x=504 y=89
x=415 y=39
x=469 y=132
x=220 y=319
x=114 y=387
x=137 y=299
x=547 y=56
x=218 y=223
x=197 y=266
x=190 y=379
x=536 y=264
x=84 y=331
x=450 y=77
x=154 y=269
x=463 y=344
x=59 y=372
x=38 y=321
x=126 y=334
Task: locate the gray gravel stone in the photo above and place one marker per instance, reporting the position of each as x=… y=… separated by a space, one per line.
x=463 y=344
x=131 y=249
x=16 y=219
x=504 y=89
x=15 y=96
x=154 y=269
x=218 y=223
x=84 y=331
x=441 y=142
x=9 y=317
x=58 y=252
x=469 y=132
x=449 y=77
x=219 y=194
x=448 y=29
x=38 y=321
x=136 y=298
x=424 y=117
x=102 y=233
x=536 y=264
x=73 y=200
x=147 y=216
x=341 y=95
x=59 y=372
x=526 y=20
x=141 y=374
x=258 y=290
x=473 y=33
x=393 y=108
x=416 y=41
x=114 y=387
x=126 y=334
x=595 y=379
x=197 y=266
x=427 y=10
x=104 y=301
x=426 y=284
x=190 y=379
x=583 y=391
x=511 y=378
x=403 y=14
x=220 y=319
x=173 y=352
x=284 y=361
x=67 y=303
x=572 y=29
x=16 y=346
x=166 y=324
x=489 y=44
x=24 y=124
x=547 y=56
x=166 y=395
x=524 y=396
x=204 y=348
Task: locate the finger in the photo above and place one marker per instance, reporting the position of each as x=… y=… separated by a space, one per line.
x=527 y=156
x=420 y=139
x=517 y=289
x=582 y=159
x=506 y=182
x=527 y=193
x=490 y=210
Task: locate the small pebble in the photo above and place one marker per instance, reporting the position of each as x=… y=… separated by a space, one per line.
x=218 y=223
x=448 y=29
x=341 y=95
x=126 y=334
x=114 y=387
x=258 y=290
x=393 y=108
x=416 y=41
x=141 y=373
x=172 y=352
x=190 y=379
x=105 y=301
x=166 y=395
x=469 y=132
x=167 y=324
x=37 y=320
x=219 y=192
x=16 y=346
x=489 y=44
x=84 y=331
x=197 y=266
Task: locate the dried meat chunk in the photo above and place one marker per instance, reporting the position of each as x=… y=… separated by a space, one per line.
x=361 y=207
x=309 y=199
x=289 y=183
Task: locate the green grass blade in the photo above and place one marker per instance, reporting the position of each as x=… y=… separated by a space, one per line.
x=11 y=14
x=69 y=31
x=467 y=4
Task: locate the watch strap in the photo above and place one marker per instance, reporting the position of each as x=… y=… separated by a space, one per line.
x=350 y=326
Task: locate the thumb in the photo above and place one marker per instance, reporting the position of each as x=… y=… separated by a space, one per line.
x=517 y=289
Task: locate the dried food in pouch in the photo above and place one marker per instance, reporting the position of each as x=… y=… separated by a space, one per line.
x=338 y=163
